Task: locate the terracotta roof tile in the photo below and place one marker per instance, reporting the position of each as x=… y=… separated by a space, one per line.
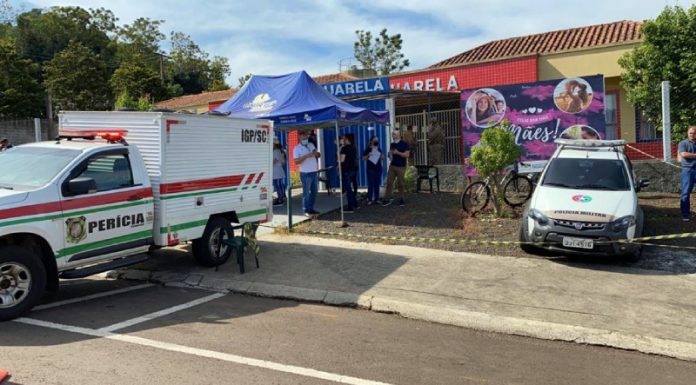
x=624 y=31
x=197 y=100
x=217 y=96
x=334 y=78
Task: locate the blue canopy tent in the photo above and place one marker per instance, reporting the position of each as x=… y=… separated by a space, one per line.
x=293 y=102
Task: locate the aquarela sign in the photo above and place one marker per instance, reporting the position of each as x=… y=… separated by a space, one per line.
x=358 y=87
x=539 y=113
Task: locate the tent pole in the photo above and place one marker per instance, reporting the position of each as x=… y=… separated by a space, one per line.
x=340 y=175
x=287 y=168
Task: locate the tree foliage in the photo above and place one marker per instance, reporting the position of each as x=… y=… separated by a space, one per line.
x=78 y=79
x=496 y=151
x=242 y=80
x=136 y=78
x=125 y=101
x=191 y=67
x=85 y=57
x=381 y=54
x=41 y=35
x=667 y=52
x=20 y=93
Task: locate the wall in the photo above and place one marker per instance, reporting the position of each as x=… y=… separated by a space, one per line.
x=511 y=71
x=22 y=130
x=604 y=60
x=663 y=177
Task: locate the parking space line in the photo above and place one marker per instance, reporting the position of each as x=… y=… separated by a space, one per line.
x=93 y=296
x=232 y=358
x=161 y=313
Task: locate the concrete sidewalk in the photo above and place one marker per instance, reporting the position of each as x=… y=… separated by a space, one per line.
x=645 y=310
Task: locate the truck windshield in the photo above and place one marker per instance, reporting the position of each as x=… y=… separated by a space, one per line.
x=587 y=174
x=26 y=168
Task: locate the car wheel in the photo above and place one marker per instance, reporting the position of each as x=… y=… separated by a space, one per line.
x=22 y=281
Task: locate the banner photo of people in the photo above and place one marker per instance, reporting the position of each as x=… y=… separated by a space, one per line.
x=538 y=113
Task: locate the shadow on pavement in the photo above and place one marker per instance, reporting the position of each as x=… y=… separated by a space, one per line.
x=318 y=268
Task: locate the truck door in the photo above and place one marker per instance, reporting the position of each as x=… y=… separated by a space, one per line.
x=108 y=210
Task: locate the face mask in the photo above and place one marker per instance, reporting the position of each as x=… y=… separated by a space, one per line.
x=305 y=141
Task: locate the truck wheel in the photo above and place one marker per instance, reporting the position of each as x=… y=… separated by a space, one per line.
x=210 y=249
x=22 y=281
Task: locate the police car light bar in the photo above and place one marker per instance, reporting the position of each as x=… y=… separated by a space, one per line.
x=111 y=136
x=591 y=143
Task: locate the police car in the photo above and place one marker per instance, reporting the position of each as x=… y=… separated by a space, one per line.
x=585 y=202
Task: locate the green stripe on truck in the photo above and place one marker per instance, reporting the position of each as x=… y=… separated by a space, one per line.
x=191 y=225
x=106 y=242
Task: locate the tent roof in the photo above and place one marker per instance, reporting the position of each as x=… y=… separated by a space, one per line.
x=295 y=101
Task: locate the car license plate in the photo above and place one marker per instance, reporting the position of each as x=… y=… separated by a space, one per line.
x=578 y=243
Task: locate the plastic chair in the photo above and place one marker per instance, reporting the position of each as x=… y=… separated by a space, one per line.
x=424 y=173
x=324 y=176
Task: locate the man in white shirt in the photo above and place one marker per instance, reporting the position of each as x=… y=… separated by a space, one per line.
x=305 y=156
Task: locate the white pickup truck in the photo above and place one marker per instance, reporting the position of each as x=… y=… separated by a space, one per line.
x=114 y=185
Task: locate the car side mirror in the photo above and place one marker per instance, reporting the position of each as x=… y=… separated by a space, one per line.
x=81 y=186
x=642 y=183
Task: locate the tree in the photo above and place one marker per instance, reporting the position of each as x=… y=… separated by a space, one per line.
x=242 y=80
x=189 y=66
x=135 y=78
x=219 y=69
x=141 y=39
x=78 y=79
x=126 y=101
x=20 y=93
x=496 y=151
x=667 y=52
x=41 y=35
x=383 y=55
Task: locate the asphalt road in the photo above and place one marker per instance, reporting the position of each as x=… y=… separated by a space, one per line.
x=148 y=334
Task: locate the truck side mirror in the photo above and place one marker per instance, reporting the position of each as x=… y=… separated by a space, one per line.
x=642 y=183
x=81 y=186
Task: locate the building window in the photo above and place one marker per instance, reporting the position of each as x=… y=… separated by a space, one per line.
x=646 y=131
x=611 y=114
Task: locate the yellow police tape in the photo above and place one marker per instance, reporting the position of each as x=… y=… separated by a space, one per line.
x=640 y=240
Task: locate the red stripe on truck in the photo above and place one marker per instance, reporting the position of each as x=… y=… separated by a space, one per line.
x=201 y=184
x=258 y=179
x=75 y=203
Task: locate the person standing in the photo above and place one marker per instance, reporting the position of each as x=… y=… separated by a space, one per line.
x=410 y=136
x=687 y=153
x=373 y=158
x=5 y=144
x=279 y=160
x=348 y=170
x=436 y=141
x=399 y=152
x=305 y=156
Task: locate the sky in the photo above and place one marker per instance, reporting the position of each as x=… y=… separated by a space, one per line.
x=276 y=37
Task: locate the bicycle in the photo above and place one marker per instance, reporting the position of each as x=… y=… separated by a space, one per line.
x=517 y=189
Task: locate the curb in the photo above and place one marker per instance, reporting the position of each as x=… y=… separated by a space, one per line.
x=437 y=314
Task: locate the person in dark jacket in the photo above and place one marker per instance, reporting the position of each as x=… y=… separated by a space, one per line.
x=348 y=171
x=373 y=156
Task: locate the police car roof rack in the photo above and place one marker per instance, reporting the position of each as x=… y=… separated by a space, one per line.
x=590 y=144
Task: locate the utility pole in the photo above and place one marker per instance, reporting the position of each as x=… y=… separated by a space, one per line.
x=161 y=55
